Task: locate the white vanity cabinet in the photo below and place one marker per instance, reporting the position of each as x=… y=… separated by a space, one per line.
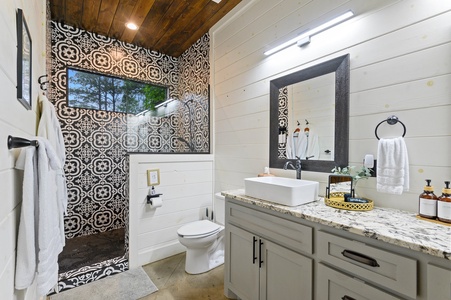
x=262 y=260
x=273 y=252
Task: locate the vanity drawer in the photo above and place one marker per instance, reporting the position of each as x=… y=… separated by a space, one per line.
x=390 y=270
x=290 y=234
x=332 y=284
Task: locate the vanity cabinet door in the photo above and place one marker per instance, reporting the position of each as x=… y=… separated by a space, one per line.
x=285 y=274
x=332 y=284
x=243 y=265
x=438 y=283
x=260 y=269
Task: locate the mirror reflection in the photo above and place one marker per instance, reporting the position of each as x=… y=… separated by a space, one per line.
x=310 y=114
x=339 y=185
x=309 y=117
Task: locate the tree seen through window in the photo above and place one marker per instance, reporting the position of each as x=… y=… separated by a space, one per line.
x=95 y=91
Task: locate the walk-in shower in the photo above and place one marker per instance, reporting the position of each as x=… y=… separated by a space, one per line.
x=174 y=122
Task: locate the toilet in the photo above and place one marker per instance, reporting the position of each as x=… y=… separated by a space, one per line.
x=204 y=240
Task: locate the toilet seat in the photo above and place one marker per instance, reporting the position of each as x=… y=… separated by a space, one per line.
x=198 y=229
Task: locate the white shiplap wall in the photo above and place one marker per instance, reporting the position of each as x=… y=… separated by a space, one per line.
x=400 y=64
x=186 y=182
x=17 y=121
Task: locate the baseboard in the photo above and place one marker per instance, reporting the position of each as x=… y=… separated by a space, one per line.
x=149 y=255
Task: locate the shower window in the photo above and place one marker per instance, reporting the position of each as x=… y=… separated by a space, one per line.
x=100 y=92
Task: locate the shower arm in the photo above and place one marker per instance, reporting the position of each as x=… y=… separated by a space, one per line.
x=191 y=124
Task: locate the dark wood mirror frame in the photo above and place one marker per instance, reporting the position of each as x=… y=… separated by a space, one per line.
x=339 y=66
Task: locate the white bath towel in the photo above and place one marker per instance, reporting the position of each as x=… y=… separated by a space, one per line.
x=312 y=150
x=40 y=239
x=49 y=128
x=302 y=145
x=392 y=166
x=26 y=241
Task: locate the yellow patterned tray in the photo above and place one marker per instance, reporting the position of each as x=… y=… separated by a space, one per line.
x=341 y=204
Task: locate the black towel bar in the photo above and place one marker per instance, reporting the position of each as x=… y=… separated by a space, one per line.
x=392 y=120
x=17 y=142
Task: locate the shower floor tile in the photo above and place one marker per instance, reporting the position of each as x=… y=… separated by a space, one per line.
x=87 y=250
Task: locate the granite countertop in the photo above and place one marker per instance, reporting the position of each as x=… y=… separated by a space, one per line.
x=393 y=226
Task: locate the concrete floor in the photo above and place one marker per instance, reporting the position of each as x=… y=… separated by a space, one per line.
x=174 y=283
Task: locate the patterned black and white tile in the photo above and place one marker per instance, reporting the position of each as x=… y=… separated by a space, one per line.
x=85 y=275
x=98 y=142
x=283 y=118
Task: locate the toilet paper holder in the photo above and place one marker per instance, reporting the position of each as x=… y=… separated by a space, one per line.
x=150 y=198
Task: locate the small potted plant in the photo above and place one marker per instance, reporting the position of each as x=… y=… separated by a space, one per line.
x=362 y=173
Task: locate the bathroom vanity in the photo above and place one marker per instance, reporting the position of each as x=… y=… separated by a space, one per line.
x=313 y=251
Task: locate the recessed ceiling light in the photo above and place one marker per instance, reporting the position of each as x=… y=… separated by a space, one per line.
x=131 y=26
x=217 y=1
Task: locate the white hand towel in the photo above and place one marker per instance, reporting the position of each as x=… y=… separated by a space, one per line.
x=392 y=166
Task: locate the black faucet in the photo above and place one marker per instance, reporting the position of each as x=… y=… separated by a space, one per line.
x=297 y=166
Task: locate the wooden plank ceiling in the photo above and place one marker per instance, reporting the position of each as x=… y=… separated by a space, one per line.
x=166 y=26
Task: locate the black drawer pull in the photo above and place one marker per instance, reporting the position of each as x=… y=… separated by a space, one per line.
x=361 y=258
x=260 y=254
x=254 y=257
x=346 y=297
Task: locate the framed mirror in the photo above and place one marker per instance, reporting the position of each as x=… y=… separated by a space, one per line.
x=309 y=117
x=24 y=62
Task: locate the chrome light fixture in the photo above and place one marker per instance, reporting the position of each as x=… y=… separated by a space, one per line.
x=304 y=38
x=165 y=103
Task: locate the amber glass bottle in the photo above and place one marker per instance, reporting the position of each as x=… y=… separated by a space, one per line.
x=427 y=206
x=444 y=204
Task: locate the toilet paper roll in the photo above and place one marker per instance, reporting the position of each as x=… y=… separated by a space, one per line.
x=368 y=161
x=156 y=202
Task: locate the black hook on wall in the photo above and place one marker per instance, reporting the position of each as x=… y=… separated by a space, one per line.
x=42 y=83
x=18 y=142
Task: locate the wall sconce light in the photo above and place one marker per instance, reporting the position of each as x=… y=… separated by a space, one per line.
x=304 y=38
x=165 y=103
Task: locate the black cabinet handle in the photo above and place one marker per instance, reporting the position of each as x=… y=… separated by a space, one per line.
x=260 y=254
x=346 y=297
x=361 y=258
x=254 y=257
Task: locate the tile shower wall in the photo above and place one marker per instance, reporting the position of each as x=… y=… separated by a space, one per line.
x=194 y=84
x=97 y=141
x=148 y=133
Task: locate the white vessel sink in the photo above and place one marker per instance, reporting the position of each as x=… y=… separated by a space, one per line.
x=281 y=190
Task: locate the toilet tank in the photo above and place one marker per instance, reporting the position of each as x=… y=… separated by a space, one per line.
x=219 y=208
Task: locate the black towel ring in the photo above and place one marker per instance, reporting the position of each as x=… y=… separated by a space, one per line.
x=392 y=120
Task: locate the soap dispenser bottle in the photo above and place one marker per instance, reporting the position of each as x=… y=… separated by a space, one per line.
x=428 y=202
x=444 y=204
